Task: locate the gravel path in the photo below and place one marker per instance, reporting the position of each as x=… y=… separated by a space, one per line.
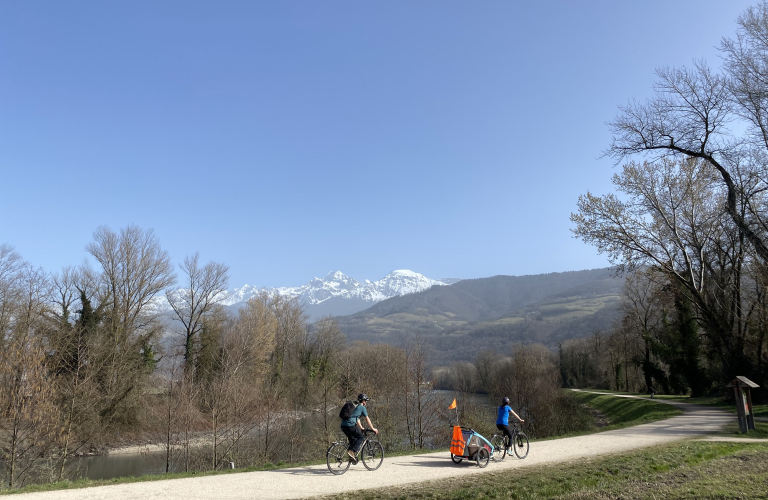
x=311 y=481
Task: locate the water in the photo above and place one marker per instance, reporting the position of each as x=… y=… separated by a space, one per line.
x=112 y=466
x=473 y=398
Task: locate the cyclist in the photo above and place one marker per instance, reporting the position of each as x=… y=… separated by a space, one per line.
x=502 y=421
x=352 y=428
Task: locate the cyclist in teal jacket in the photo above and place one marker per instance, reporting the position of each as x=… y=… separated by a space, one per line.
x=352 y=428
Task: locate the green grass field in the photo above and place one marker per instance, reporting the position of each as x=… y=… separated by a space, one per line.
x=625 y=412
x=683 y=470
x=760 y=411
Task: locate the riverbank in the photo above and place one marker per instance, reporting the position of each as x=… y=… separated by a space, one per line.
x=641 y=414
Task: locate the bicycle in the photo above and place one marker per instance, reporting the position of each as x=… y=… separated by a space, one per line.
x=371 y=454
x=519 y=444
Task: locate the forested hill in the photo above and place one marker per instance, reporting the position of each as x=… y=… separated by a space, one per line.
x=493 y=313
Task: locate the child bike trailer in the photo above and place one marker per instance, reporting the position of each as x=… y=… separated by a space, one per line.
x=468 y=444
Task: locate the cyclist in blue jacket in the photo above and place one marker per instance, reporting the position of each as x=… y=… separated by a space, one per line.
x=502 y=421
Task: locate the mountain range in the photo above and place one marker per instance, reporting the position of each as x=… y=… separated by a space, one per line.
x=460 y=320
x=336 y=294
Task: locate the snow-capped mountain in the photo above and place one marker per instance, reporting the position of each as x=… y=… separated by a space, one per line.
x=337 y=284
x=337 y=294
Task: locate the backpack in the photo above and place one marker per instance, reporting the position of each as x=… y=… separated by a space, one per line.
x=346 y=410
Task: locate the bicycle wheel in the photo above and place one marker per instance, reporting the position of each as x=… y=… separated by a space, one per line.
x=521 y=445
x=373 y=455
x=499 y=447
x=483 y=457
x=337 y=458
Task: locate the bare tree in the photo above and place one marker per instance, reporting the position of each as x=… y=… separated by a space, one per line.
x=643 y=306
x=531 y=380
x=11 y=265
x=421 y=405
x=671 y=219
x=134 y=270
x=692 y=115
x=204 y=287
x=321 y=352
x=484 y=363
x=65 y=294
x=28 y=414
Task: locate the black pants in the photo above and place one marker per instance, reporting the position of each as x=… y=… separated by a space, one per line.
x=507 y=432
x=354 y=435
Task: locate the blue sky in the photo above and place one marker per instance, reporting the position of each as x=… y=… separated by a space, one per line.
x=290 y=139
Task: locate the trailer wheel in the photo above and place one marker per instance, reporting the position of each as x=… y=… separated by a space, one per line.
x=483 y=456
x=455 y=459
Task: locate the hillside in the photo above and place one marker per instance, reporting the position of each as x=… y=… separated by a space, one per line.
x=493 y=313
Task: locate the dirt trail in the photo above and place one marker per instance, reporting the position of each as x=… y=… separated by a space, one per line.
x=311 y=481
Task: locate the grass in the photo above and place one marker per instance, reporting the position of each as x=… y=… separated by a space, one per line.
x=688 y=469
x=625 y=412
x=760 y=411
x=760 y=432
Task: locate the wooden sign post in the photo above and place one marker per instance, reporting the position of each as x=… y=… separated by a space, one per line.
x=741 y=387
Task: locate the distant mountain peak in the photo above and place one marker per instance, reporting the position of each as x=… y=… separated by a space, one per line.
x=337 y=285
x=403 y=272
x=336 y=276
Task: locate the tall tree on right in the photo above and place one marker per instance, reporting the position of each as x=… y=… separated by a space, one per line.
x=693 y=113
x=670 y=216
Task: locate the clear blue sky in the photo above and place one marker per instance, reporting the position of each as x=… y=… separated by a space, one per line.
x=290 y=139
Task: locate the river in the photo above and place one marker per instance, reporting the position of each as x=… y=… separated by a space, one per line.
x=123 y=465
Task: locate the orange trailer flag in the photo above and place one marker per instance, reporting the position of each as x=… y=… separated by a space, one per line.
x=453 y=405
x=457 y=443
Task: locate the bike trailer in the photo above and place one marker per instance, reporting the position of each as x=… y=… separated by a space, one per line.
x=466 y=443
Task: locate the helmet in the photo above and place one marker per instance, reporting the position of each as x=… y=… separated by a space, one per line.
x=362 y=397
x=505 y=401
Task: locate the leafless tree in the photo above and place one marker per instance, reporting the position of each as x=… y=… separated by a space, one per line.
x=29 y=422
x=531 y=380
x=643 y=305
x=420 y=404
x=65 y=295
x=484 y=363
x=671 y=219
x=134 y=270
x=693 y=112
x=203 y=288
x=11 y=265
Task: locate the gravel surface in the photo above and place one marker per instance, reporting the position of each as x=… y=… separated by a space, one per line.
x=311 y=481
